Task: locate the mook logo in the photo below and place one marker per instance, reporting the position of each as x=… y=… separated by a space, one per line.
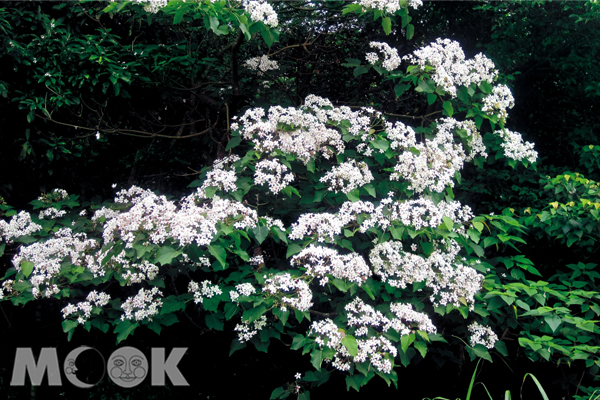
x=126 y=367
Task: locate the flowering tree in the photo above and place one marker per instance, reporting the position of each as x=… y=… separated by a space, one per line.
x=331 y=227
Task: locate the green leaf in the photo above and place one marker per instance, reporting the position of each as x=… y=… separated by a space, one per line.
x=400 y=88
x=501 y=347
x=449 y=110
x=482 y=352
x=230 y=310
x=277 y=393
x=293 y=249
x=431 y=98
x=210 y=191
x=260 y=233
x=234 y=142
x=316 y=358
x=553 y=321
x=169 y=319
x=235 y=346
x=219 y=253
x=410 y=31
x=213 y=322
x=351 y=345
x=422 y=347
x=304 y=395
x=474 y=235
x=166 y=254
x=353 y=195
x=406 y=340
x=370 y=189
x=386 y=23
x=124 y=329
x=253 y=314
x=448 y=223
x=363 y=69
x=27 y=268
x=179 y=16
x=68 y=325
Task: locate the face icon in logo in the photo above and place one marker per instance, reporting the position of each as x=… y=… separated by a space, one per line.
x=70 y=367
x=71 y=370
x=127 y=367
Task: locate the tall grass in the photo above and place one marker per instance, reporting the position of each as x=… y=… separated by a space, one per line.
x=507 y=395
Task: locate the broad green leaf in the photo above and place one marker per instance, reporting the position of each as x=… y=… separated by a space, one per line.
x=553 y=321
x=406 y=340
x=260 y=233
x=213 y=322
x=124 y=329
x=293 y=249
x=349 y=342
x=316 y=358
x=386 y=23
x=166 y=254
x=219 y=253
x=27 y=268
x=410 y=31
x=277 y=393
x=253 y=314
x=449 y=110
x=169 y=319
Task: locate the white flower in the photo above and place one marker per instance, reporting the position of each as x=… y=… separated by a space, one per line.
x=482 y=335
x=391 y=59
x=515 y=148
x=347 y=176
x=261 y=11
x=262 y=64
x=274 y=173
x=451 y=67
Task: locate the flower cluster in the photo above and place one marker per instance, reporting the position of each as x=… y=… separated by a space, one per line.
x=244 y=331
x=469 y=132
x=222 y=175
x=145 y=304
x=141 y=272
x=292 y=292
x=243 y=289
x=431 y=164
x=51 y=213
x=274 y=173
x=451 y=68
x=19 y=225
x=54 y=196
x=482 y=335
x=347 y=176
x=498 y=101
x=391 y=60
x=262 y=64
x=322 y=225
x=83 y=309
x=407 y=320
x=389 y=6
x=195 y=221
x=261 y=11
x=7 y=287
x=207 y=290
x=47 y=256
x=515 y=148
x=449 y=279
x=302 y=131
x=323 y=262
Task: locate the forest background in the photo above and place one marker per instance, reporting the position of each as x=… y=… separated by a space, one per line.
x=97 y=94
